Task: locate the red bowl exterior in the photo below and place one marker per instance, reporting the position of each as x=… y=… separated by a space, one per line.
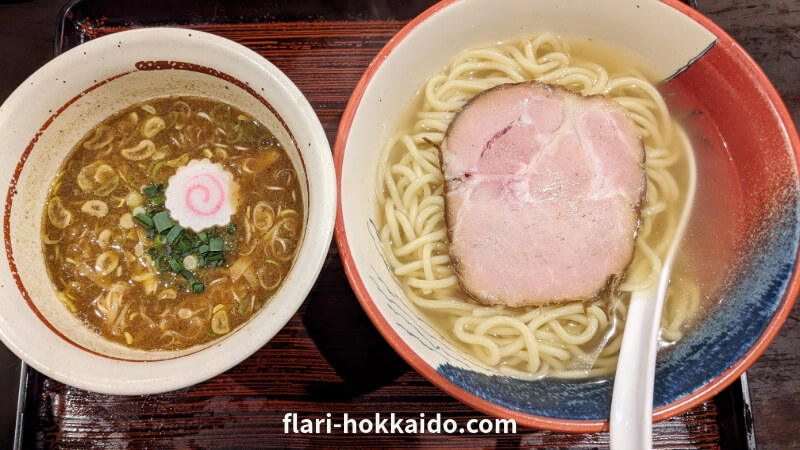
x=724 y=58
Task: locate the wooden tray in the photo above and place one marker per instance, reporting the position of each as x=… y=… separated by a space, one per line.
x=329 y=358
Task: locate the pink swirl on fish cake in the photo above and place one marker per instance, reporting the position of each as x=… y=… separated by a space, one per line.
x=204 y=188
x=200 y=195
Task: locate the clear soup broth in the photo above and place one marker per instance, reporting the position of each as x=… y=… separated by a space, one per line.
x=570 y=339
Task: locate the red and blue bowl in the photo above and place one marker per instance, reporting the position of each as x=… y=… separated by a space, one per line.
x=742 y=243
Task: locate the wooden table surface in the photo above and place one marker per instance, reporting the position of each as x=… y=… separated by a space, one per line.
x=305 y=369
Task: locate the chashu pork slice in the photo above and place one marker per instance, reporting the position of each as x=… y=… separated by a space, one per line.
x=542 y=196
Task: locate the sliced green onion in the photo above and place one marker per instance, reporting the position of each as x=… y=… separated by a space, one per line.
x=160 y=163
x=144 y=219
x=198 y=288
x=216 y=245
x=185 y=243
x=150 y=190
x=158 y=201
x=158 y=241
x=162 y=262
x=273 y=262
x=175 y=265
x=235 y=139
x=190 y=262
x=177 y=250
x=239 y=307
x=162 y=221
x=174 y=234
x=153 y=190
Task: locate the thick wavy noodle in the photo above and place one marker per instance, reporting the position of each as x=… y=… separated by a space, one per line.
x=568 y=340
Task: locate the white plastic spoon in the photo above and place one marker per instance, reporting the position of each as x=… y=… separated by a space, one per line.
x=631 y=419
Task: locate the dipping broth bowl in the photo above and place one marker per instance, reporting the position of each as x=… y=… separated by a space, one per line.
x=46 y=117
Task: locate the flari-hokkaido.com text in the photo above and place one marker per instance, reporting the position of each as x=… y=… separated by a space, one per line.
x=393 y=424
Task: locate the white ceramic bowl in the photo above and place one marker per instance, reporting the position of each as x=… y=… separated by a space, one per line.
x=40 y=123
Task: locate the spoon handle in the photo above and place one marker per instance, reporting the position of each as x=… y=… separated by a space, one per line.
x=631 y=419
x=632 y=399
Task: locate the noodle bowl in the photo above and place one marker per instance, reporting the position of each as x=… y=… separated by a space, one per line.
x=567 y=340
x=740 y=250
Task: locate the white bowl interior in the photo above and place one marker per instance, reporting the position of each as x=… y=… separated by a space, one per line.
x=71 y=95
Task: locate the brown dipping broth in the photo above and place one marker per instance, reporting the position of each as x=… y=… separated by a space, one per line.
x=99 y=257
